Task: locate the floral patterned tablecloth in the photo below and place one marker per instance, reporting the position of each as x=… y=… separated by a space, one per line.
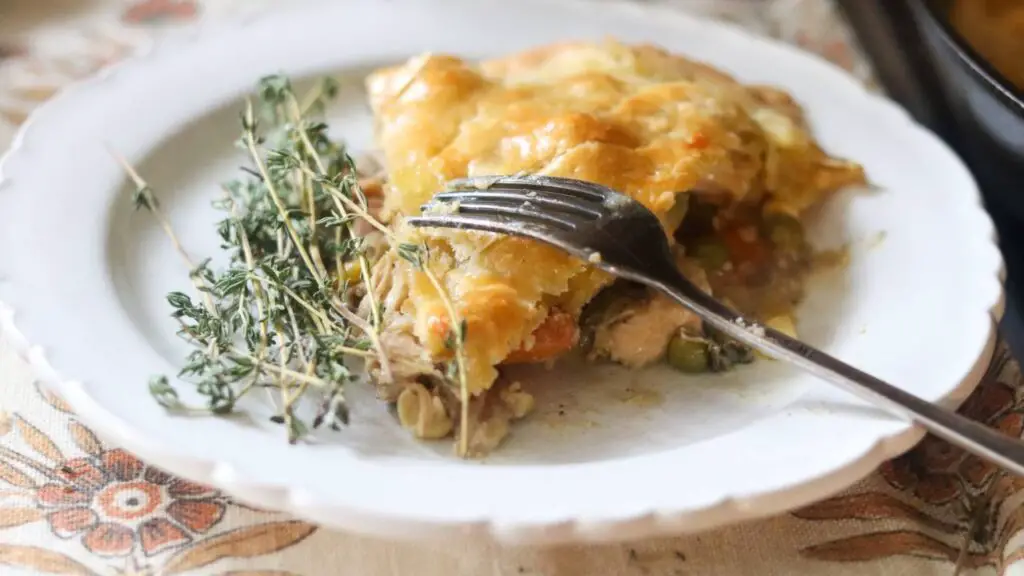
x=70 y=504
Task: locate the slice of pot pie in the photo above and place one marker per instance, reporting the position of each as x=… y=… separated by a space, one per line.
x=729 y=169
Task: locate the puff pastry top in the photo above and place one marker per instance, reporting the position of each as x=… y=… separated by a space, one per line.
x=634 y=118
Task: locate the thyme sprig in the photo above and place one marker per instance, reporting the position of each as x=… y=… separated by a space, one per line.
x=279 y=317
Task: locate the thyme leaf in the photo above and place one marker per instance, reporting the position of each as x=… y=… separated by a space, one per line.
x=277 y=317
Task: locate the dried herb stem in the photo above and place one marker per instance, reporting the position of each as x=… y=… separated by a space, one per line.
x=458 y=330
x=144 y=198
x=250 y=265
x=249 y=138
x=364 y=263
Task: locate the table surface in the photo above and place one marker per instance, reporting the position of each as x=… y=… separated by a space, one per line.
x=70 y=504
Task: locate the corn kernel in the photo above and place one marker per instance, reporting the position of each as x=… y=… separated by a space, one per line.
x=784 y=324
x=352 y=271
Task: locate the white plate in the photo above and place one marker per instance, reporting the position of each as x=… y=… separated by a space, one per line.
x=86 y=277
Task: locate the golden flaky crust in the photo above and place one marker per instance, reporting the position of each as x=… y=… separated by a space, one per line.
x=636 y=118
x=527 y=63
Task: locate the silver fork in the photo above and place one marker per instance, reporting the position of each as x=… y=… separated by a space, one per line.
x=618 y=234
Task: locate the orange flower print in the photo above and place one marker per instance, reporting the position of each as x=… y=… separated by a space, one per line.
x=116 y=503
x=132 y=518
x=156 y=11
x=937 y=501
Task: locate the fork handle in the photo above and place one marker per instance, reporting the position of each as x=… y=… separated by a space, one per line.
x=972 y=436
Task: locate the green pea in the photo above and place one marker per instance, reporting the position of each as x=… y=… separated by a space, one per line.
x=688 y=354
x=785 y=232
x=712 y=253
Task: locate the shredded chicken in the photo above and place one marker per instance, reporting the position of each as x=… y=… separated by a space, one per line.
x=428 y=406
x=638 y=334
x=492 y=414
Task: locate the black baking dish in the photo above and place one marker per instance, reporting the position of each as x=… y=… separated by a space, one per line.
x=987 y=111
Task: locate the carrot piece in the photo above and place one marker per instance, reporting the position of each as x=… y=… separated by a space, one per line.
x=438 y=326
x=745 y=245
x=699 y=140
x=554 y=337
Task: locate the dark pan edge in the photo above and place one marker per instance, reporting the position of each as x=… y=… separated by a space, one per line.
x=929 y=14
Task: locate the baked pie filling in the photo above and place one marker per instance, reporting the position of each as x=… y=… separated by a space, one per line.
x=729 y=169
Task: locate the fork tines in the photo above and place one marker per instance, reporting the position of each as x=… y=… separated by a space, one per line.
x=510 y=201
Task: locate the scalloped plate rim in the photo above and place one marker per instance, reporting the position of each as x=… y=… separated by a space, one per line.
x=222 y=474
